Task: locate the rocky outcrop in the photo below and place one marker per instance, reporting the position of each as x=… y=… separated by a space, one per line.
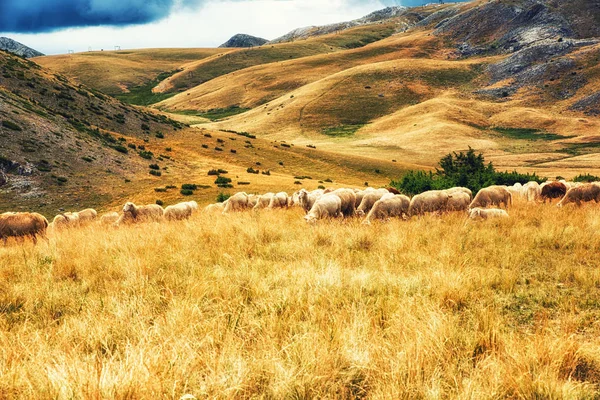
x=243 y=40
x=310 y=31
x=12 y=46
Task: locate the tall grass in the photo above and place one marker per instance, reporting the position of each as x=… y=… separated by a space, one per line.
x=262 y=305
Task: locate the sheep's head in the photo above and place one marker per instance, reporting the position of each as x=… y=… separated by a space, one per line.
x=129 y=207
x=310 y=219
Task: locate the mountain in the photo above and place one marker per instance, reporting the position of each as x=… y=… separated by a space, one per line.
x=311 y=31
x=66 y=146
x=243 y=40
x=17 y=48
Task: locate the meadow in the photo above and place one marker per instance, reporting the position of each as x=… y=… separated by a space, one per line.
x=262 y=305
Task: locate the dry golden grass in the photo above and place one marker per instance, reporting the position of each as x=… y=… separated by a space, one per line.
x=264 y=306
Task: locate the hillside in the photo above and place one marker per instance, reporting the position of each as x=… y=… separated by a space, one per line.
x=243 y=40
x=63 y=145
x=14 y=47
x=515 y=79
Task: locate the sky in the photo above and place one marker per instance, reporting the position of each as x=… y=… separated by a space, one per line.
x=58 y=26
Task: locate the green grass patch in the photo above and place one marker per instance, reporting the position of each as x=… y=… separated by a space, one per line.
x=142 y=95
x=528 y=134
x=215 y=114
x=342 y=130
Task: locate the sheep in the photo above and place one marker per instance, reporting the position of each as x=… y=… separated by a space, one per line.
x=459 y=201
x=263 y=201
x=237 y=202
x=65 y=220
x=193 y=205
x=109 y=218
x=487 y=213
x=388 y=206
x=21 y=225
x=279 y=200
x=348 y=198
x=133 y=213
x=431 y=201
x=327 y=206
x=214 y=208
x=87 y=215
x=306 y=199
x=369 y=200
x=178 y=212
x=493 y=195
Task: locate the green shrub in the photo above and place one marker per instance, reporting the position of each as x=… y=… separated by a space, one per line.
x=160 y=190
x=121 y=149
x=147 y=155
x=252 y=171
x=155 y=172
x=132 y=146
x=61 y=179
x=186 y=192
x=171 y=187
x=154 y=166
x=160 y=135
x=205 y=146
x=243 y=183
x=87 y=159
x=586 y=178
x=267 y=172
x=189 y=186
x=320 y=187
x=221 y=180
x=218 y=149
x=145 y=127
x=460 y=169
x=11 y=125
x=160 y=202
x=213 y=172
x=297 y=183
x=221 y=197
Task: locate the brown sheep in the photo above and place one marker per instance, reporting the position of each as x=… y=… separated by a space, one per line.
x=20 y=225
x=583 y=193
x=492 y=196
x=553 y=190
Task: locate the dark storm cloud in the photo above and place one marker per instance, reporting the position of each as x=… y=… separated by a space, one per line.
x=32 y=16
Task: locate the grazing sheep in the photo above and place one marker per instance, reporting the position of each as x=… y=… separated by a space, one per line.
x=459 y=201
x=178 y=212
x=237 y=202
x=552 y=190
x=459 y=189
x=253 y=200
x=214 y=208
x=348 y=198
x=531 y=191
x=368 y=201
x=263 y=201
x=24 y=224
x=492 y=196
x=87 y=215
x=134 y=214
x=306 y=199
x=109 y=218
x=193 y=205
x=584 y=193
x=487 y=213
x=65 y=220
x=431 y=201
x=279 y=200
x=327 y=206
x=388 y=207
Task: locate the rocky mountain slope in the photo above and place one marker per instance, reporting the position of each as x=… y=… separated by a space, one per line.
x=17 y=48
x=243 y=40
x=65 y=146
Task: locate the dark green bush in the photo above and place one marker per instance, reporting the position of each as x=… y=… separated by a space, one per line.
x=221 y=180
x=252 y=171
x=189 y=186
x=155 y=172
x=160 y=202
x=186 y=192
x=221 y=197
x=586 y=178
x=11 y=125
x=460 y=169
x=121 y=149
x=147 y=155
x=160 y=135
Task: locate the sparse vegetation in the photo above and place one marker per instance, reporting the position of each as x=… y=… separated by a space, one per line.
x=11 y=125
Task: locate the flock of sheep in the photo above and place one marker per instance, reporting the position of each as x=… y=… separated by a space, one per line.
x=373 y=204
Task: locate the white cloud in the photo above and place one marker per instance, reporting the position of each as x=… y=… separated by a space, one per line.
x=208 y=26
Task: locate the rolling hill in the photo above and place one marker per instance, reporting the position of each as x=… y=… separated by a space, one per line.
x=516 y=79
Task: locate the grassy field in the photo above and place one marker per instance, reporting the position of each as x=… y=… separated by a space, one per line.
x=262 y=305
